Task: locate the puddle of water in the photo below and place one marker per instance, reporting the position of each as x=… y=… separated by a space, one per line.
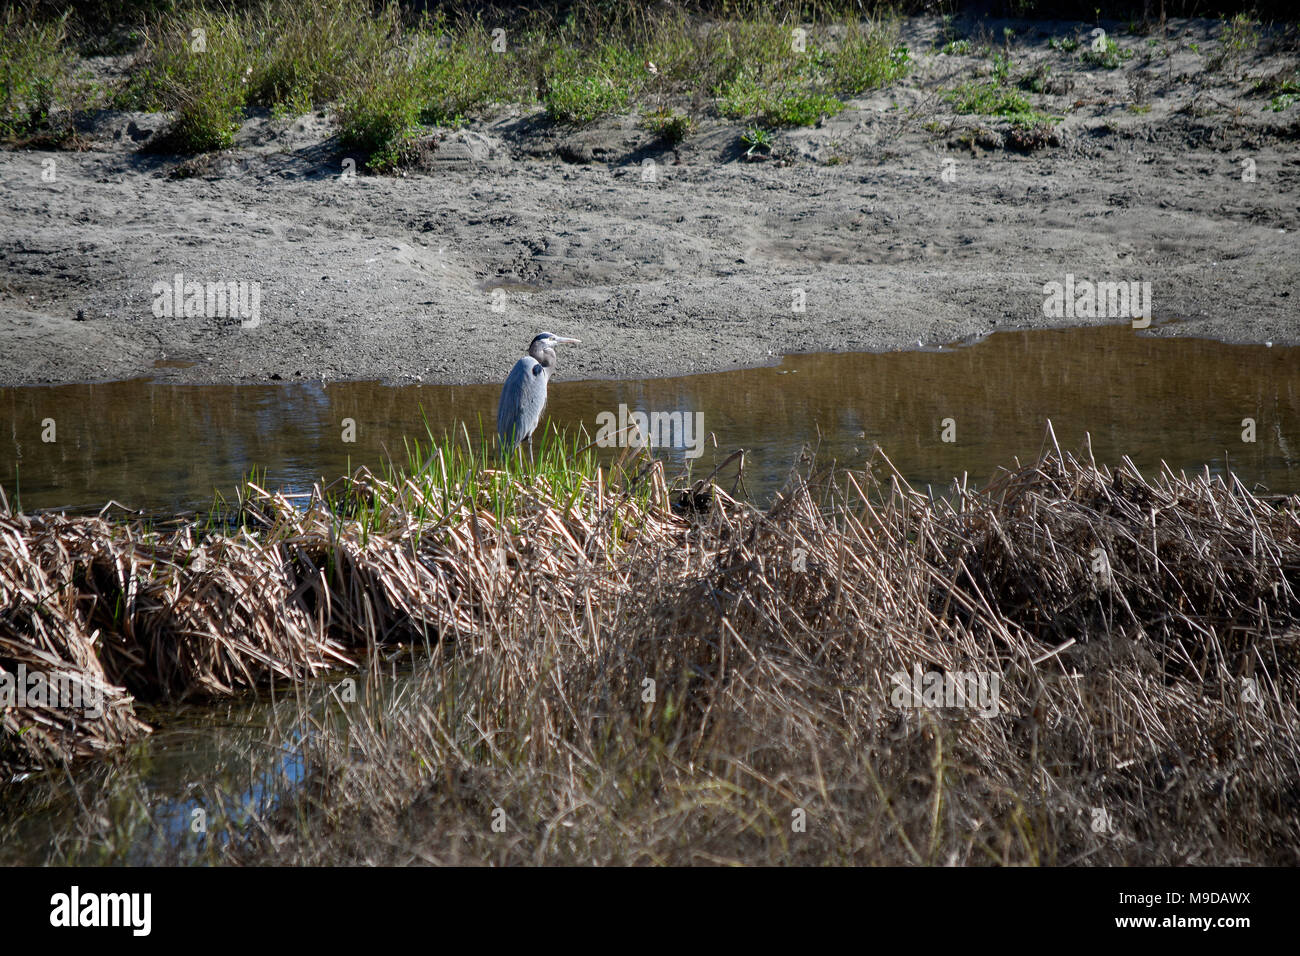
x=193 y=754
x=228 y=760
x=167 y=448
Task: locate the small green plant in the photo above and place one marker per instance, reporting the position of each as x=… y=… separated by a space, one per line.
x=991 y=99
x=295 y=104
x=1240 y=38
x=814 y=62
x=381 y=121
x=756 y=140
x=586 y=83
x=744 y=98
x=1037 y=80
x=1282 y=91
x=1001 y=67
x=987 y=99
x=955 y=48
x=208 y=116
x=458 y=80
x=741 y=97
x=1109 y=56
x=759 y=82
x=579 y=100
x=867 y=61
x=947 y=32
x=669 y=125
x=1064 y=44
x=801 y=109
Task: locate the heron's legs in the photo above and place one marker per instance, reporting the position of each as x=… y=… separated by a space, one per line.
x=519 y=449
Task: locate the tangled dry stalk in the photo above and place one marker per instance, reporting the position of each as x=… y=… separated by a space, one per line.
x=634 y=674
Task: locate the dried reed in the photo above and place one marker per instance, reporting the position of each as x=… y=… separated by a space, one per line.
x=674 y=675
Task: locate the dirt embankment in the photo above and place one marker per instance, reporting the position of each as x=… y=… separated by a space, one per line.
x=898 y=220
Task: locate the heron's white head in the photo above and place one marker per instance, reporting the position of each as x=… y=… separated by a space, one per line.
x=548 y=340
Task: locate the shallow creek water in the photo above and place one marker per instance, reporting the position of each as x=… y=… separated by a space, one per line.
x=166 y=448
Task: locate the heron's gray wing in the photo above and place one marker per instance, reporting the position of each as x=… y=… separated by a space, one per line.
x=522 y=400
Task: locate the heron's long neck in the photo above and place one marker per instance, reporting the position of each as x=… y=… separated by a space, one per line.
x=545 y=357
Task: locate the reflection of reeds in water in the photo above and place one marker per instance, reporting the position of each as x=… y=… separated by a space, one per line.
x=628 y=679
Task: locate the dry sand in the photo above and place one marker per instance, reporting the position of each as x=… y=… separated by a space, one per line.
x=390 y=277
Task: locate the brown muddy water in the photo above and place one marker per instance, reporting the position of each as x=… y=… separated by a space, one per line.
x=167 y=448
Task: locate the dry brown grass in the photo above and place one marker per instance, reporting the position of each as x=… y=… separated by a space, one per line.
x=772 y=638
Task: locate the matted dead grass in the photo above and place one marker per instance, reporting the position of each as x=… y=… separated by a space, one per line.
x=634 y=674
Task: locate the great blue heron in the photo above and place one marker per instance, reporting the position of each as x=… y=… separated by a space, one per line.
x=524 y=394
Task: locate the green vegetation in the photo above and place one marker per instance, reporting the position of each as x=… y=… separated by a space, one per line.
x=381 y=121
x=1109 y=57
x=868 y=62
x=997 y=97
x=987 y=99
x=1282 y=89
x=202 y=77
x=756 y=139
x=744 y=99
x=669 y=125
x=1239 y=39
x=581 y=99
x=1037 y=80
x=1288 y=94
x=993 y=99
x=764 y=79
x=1001 y=67
x=586 y=84
x=392 y=76
x=34 y=65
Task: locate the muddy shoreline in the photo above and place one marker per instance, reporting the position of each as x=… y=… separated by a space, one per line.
x=900 y=223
